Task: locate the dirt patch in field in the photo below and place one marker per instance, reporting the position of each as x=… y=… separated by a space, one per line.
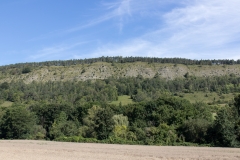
x=46 y=150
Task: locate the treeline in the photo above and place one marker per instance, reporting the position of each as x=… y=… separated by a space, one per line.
x=165 y=121
x=23 y=67
x=139 y=88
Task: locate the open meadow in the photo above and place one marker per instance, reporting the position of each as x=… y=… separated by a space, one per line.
x=42 y=150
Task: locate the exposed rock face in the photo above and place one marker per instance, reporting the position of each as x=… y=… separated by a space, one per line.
x=102 y=70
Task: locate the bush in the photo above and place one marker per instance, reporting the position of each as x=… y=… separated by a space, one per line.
x=195 y=130
x=76 y=139
x=26 y=70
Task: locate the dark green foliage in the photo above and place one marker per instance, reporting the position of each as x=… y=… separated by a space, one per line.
x=17 y=123
x=104 y=123
x=4 y=85
x=237 y=104
x=138 y=88
x=161 y=135
x=168 y=110
x=195 y=130
x=165 y=121
x=238 y=130
x=83 y=71
x=140 y=96
x=37 y=132
x=80 y=111
x=26 y=70
x=224 y=129
x=203 y=111
x=62 y=127
x=77 y=139
x=48 y=113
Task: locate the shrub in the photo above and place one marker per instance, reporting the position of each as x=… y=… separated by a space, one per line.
x=26 y=70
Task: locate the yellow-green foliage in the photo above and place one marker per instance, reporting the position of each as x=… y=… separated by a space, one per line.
x=120 y=120
x=120 y=130
x=120 y=126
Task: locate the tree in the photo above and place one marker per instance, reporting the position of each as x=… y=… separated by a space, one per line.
x=26 y=70
x=4 y=85
x=237 y=104
x=162 y=135
x=38 y=132
x=62 y=127
x=89 y=125
x=195 y=130
x=140 y=96
x=17 y=123
x=120 y=126
x=47 y=114
x=104 y=123
x=224 y=131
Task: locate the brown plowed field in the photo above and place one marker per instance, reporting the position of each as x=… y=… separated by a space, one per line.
x=46 y=150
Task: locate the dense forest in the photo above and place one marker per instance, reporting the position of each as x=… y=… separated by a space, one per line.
x=81 y=111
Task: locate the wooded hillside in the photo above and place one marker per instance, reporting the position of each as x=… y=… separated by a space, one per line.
x=147 y=101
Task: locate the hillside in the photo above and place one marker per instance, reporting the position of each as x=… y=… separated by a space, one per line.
x=145 y=101
x=104 y=70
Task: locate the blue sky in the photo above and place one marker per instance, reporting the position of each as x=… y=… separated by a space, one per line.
x=43 y=30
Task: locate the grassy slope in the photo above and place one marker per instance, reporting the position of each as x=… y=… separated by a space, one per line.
x=6 y=104
x=208 y=97
x=123 y=99
x=211 y=98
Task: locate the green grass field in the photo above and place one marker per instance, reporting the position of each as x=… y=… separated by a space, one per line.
x=210 y=97
x=6 y=104
x=123 y=99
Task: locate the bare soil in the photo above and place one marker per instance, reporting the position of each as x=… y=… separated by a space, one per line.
x=46 y=150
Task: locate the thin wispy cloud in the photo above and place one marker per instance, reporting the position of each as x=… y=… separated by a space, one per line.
x=122 y=9
x=117 y=10
x=204 y=27
x=55 y=51
x=195 y=30
x=134 y=48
